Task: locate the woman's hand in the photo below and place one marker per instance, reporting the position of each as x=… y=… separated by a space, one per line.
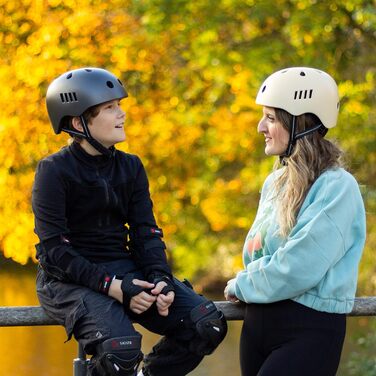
x=163 y=301
x=229 y=296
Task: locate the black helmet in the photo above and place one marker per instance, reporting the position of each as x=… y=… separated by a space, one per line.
x=72 y=93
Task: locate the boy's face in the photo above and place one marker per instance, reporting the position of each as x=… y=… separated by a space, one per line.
x=108 y=126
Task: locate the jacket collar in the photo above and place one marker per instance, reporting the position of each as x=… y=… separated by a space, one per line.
x=91 y=160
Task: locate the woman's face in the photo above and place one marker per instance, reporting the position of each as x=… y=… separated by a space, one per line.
x=276 y=136
x=108 y=126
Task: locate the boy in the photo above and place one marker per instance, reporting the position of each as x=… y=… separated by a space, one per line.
x=102 y=261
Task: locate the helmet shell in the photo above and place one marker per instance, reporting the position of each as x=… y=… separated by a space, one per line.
x=72 y=93
x=300 y=90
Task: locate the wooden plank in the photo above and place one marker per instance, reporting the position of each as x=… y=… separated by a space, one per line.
x=364 y=306
x=35 y=315
x=24 y=316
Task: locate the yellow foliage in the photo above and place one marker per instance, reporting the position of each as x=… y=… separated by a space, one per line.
x=192 y=71
x=217 y=206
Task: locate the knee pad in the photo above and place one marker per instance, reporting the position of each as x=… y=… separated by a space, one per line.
x=119 y=356
x=210 y=326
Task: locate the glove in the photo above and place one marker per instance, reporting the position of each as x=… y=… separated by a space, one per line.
x=156 y=278
x=130 y=290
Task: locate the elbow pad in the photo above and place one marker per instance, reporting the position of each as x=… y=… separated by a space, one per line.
x=147 y=236
x=60 y=261
x=46 y=252
x=148 y=249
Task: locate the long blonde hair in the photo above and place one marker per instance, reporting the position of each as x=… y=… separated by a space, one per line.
x=311 y=156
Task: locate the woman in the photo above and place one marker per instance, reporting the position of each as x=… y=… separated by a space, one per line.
x=102 y=259
x=302 y=252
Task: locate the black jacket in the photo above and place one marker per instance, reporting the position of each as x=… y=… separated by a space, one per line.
x=93 y=209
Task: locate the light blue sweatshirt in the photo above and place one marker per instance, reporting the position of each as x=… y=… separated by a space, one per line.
x=317 y=264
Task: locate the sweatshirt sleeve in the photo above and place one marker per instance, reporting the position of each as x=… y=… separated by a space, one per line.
x=146 y=243
x=54 y=252
x=328 y=225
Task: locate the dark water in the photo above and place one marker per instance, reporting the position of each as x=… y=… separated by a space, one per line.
x=41 y=351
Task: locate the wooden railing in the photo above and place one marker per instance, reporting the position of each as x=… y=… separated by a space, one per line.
x=35 y=315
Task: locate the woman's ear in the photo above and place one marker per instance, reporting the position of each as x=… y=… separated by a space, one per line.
x=76 y=124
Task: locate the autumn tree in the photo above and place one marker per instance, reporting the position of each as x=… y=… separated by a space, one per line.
x=192 y=69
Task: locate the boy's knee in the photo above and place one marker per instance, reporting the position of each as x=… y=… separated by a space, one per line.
x=119 y=356
x=210 y=327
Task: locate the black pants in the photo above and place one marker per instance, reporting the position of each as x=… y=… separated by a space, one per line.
x=93 y=317
x=288 y=339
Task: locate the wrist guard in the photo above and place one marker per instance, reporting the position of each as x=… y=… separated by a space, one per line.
x=164 y=278
x=105 y=284
x=129 y=289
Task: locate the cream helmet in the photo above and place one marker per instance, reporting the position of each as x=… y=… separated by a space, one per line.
x=300 y=90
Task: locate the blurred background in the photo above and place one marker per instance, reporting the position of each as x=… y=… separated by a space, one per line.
x=192 y=70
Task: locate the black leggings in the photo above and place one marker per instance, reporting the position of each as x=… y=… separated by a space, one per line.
x=289 y=339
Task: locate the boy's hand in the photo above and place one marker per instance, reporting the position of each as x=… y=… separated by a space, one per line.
x=142 y=301
x=130 y=292
x=163 y=301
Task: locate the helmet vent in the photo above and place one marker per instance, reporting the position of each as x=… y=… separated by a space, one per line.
x=110 y=84
x=68 y=97
x=303 y=94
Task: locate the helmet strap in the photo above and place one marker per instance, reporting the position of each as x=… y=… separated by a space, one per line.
x=318 y=127
x=86 y=134
x=73 y=133
x=291 y=143
x=293 y=137
x=93 y=142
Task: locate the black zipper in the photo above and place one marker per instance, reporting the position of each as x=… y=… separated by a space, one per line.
x=106 y=190
x=107 y=199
